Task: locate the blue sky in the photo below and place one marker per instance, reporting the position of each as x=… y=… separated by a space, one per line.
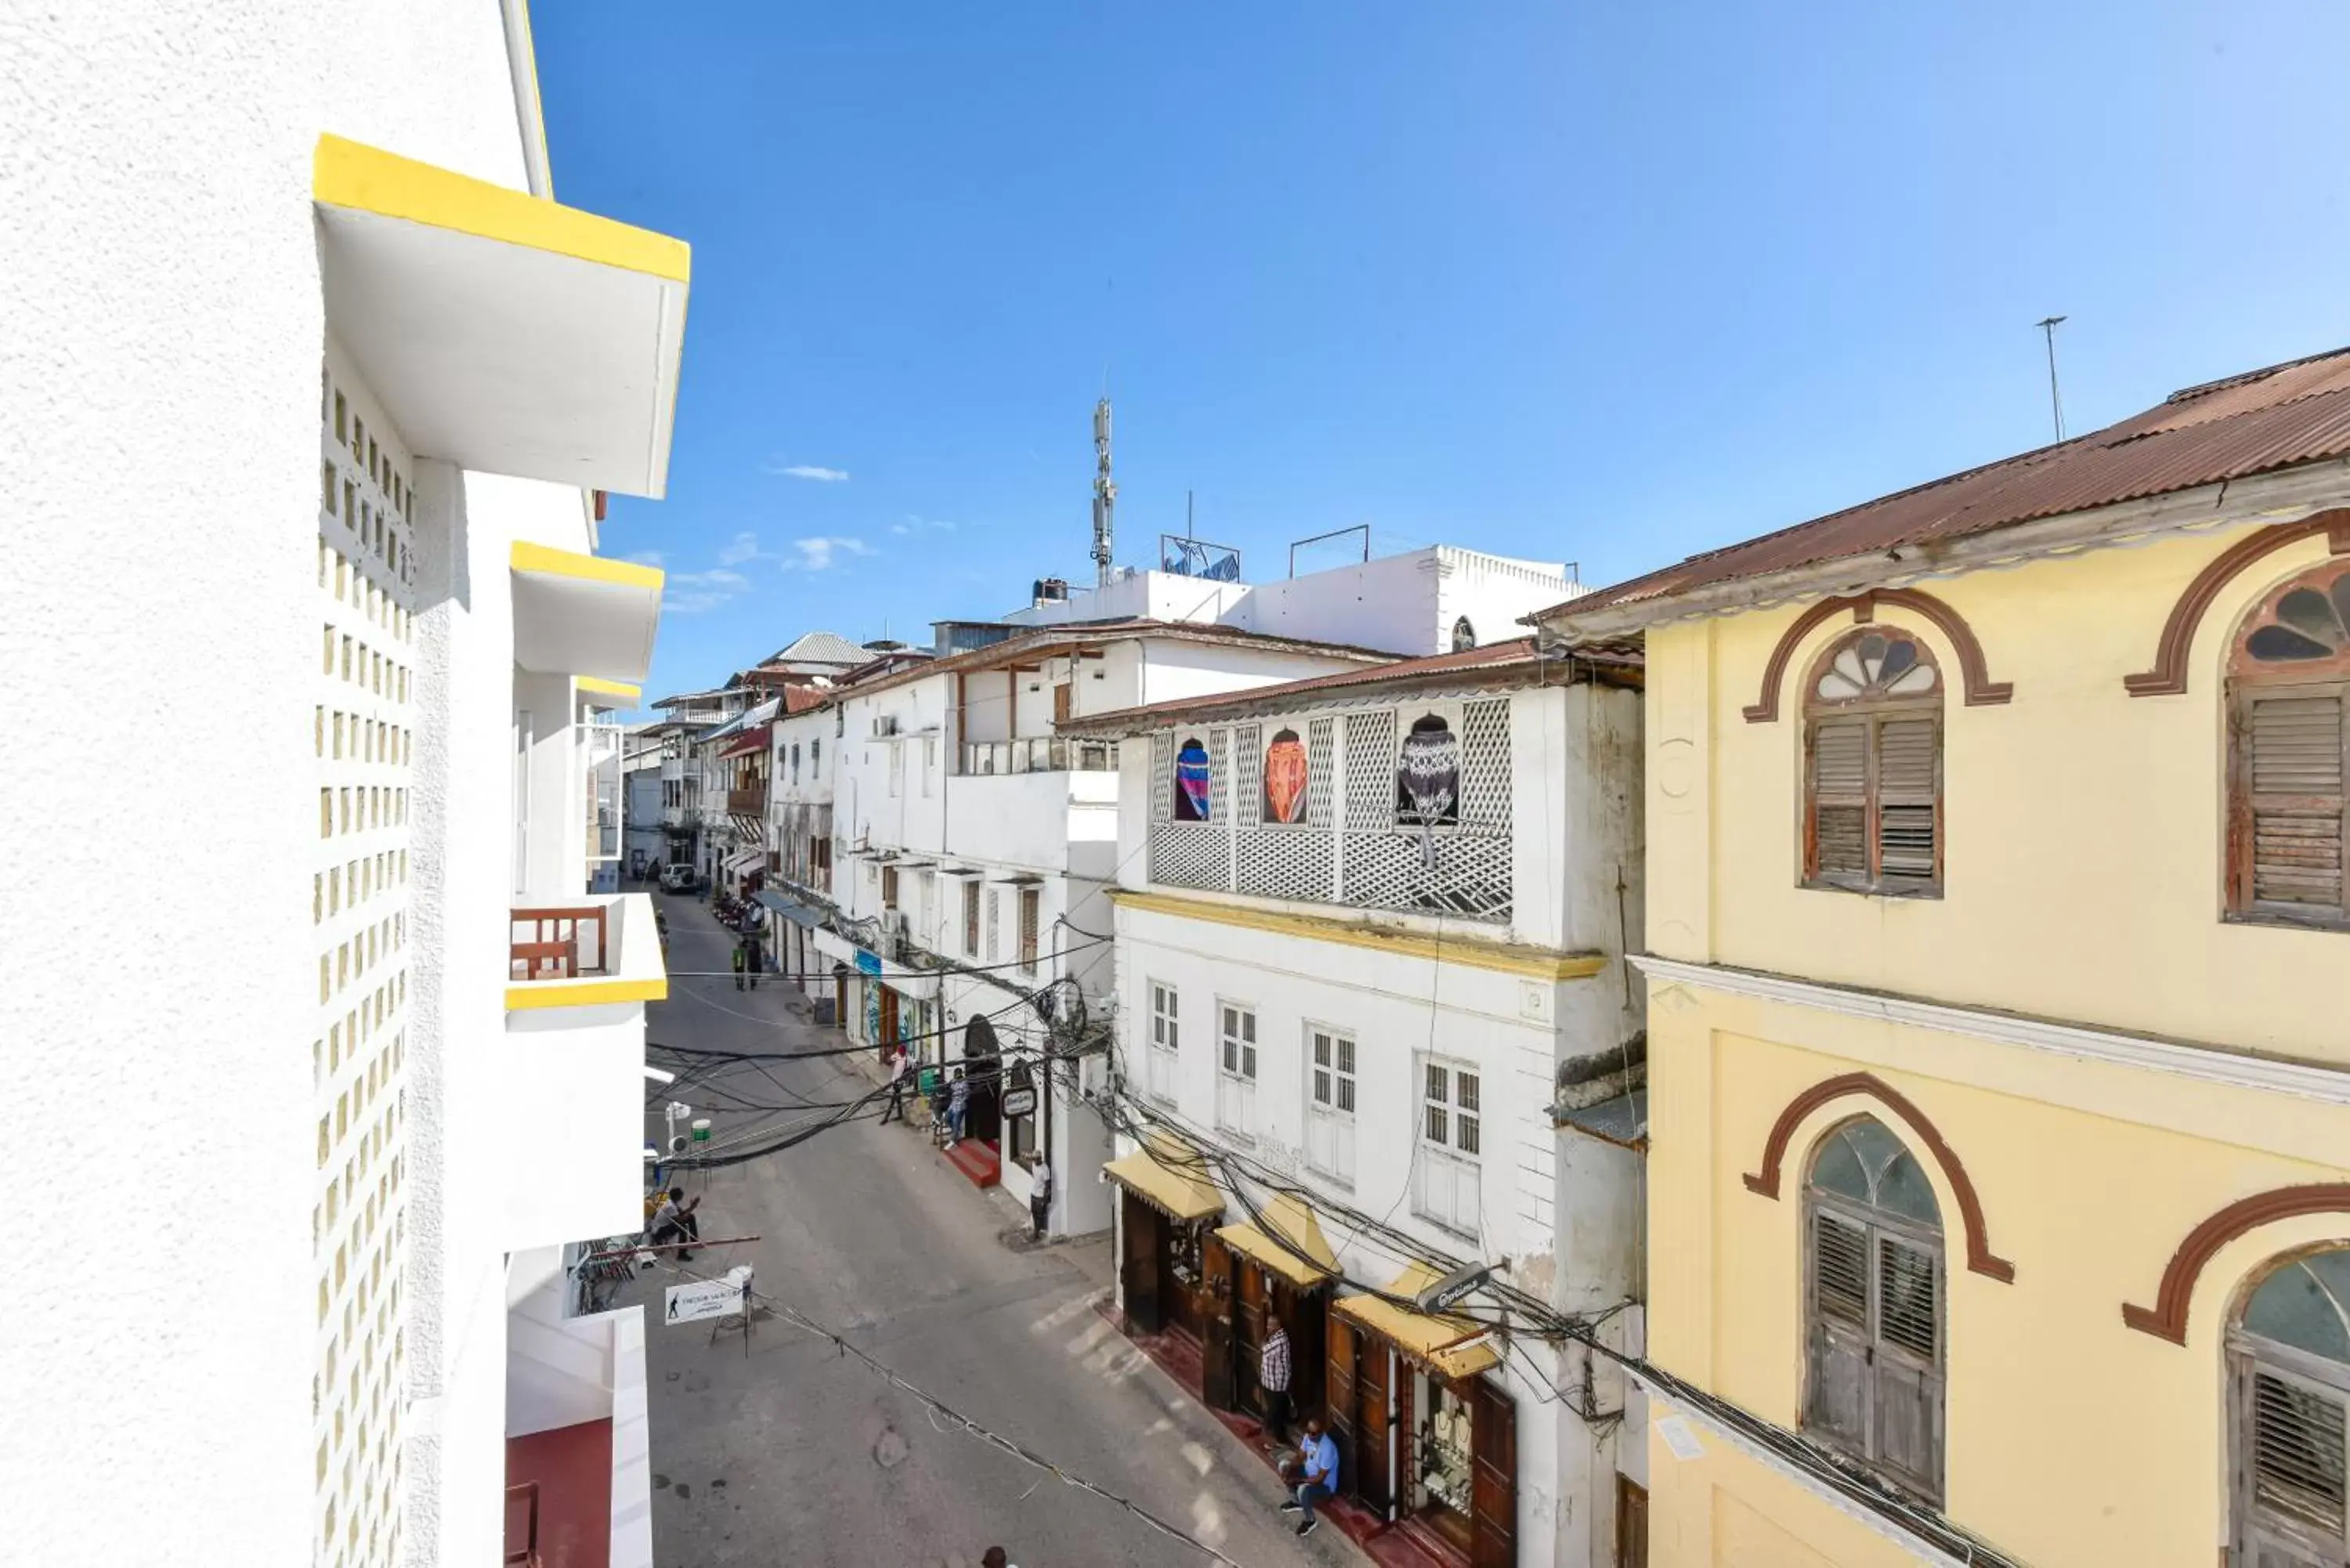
x=1604 y=282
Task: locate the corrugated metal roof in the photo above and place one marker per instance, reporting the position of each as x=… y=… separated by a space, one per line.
x=2258 y=422
x=1496 y=660
x=750 y=741
x=820 y=648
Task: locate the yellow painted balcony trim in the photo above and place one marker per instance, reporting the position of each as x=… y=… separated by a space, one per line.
x=369 y=180
x=522 y=998
x=1509 y=958
x=527 y=556
x=597 y=686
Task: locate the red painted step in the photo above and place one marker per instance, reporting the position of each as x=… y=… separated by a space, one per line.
x=978 y=1160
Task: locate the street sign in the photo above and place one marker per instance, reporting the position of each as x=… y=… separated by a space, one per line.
x=707 y=1298
x=1019 y=1102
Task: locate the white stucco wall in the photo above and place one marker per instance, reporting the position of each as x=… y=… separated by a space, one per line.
x=160 y=275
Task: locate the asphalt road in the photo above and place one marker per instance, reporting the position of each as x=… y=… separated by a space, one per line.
x=793 y=1454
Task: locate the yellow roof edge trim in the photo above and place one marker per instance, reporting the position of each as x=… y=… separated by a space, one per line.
x=584 y=992
x=597 y=686
x=366 y=179
x=526 y=556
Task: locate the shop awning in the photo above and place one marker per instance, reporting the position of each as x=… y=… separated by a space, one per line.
x=744 y=861
x=1173 y=1190
x=503 y=333
x=1287 y=1238
x=789 y=909
x=1454 y=1347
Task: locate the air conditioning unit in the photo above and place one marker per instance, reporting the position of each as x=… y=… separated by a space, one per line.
x=897 y=933
x=887 y=724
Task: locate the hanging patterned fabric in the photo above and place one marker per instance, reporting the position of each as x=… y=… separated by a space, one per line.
x=1285 y=776
x=1193 y=800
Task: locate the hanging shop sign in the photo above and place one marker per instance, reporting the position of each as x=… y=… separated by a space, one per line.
x=1019 y=1102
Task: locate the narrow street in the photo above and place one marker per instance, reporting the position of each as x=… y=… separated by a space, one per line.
x=795 y=1454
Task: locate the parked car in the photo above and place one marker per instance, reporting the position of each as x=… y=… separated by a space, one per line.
x=678 y=879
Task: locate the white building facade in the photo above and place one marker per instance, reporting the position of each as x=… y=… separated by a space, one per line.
x=402 y=1064
x=1370 y=955
x=973 y=848
x=1435 y=599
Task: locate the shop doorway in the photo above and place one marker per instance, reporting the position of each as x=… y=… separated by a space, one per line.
x=1431 y=1447
x=983 y=1066
x=1160 y=1271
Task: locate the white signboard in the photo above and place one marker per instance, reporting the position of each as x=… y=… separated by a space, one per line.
x=1681 y=1442
x=706 y=1298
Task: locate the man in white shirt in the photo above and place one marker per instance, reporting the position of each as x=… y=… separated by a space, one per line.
x=1040 y=1195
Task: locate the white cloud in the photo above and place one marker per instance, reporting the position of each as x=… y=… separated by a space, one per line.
x=648 y=557
x=818 y=554
x=809 y=470
x=917 y=523
x=692 y=593
x=740 y=549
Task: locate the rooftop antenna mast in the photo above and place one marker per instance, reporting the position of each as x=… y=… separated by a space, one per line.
x=1105 y=495
x=2055 y=404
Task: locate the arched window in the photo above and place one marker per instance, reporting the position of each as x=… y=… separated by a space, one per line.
x=1873 y=1305
x=1464 y=636
x=2288 y=681
x=2290 y=1358
x=1872 y=766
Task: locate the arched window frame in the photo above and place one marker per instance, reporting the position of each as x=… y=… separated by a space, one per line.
x=1868 y=1391
x=2288 y=1432
x=2289 y=753
x=1867 y=755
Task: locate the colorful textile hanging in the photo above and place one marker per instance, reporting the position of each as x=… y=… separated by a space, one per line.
x=1191 y=796
x=1285 y=774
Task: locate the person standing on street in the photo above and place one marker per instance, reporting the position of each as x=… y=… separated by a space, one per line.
x=898 y=1073
x=957 y=1107
x=738 y=966
x=1040 y=1195
x=1320 y=1482
x=1273 y=1377
x=675 y=1218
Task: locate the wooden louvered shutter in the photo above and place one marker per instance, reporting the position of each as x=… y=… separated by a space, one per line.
x=1839 y=808
x=1909 y=772
x=2288 y=822
x=1905 y=1378
x=1836 y=1402
x=2291 y=1480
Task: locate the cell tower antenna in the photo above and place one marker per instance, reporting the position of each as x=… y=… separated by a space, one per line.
x=1105 y=495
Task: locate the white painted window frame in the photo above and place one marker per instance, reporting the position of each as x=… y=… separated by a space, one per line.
x=1238 y=1062
x=1162 y=1046
x=1330 y=1127
x=1441 y=1167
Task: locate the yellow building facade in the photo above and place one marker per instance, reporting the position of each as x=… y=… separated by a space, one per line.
x=1999 y=1015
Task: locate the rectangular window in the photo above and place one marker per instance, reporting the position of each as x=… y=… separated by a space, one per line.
x=1166 y=1044
x=1451 y=1137
x=1235 y=1068
x=896 y=769
x=1029 y=902
x=2292 y=782
x=1330 y=1102
x=930 y=761
x=1876 y=803
x=971 y=919
x=888 y=886
x=995 y=946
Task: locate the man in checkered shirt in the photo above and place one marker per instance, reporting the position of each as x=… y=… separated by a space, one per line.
x=1273 y=1377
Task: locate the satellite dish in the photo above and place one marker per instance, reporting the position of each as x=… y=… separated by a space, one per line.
x=676 y=1144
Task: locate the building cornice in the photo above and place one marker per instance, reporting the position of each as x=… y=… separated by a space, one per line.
x=1509 y=958
x=2207 y=1063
